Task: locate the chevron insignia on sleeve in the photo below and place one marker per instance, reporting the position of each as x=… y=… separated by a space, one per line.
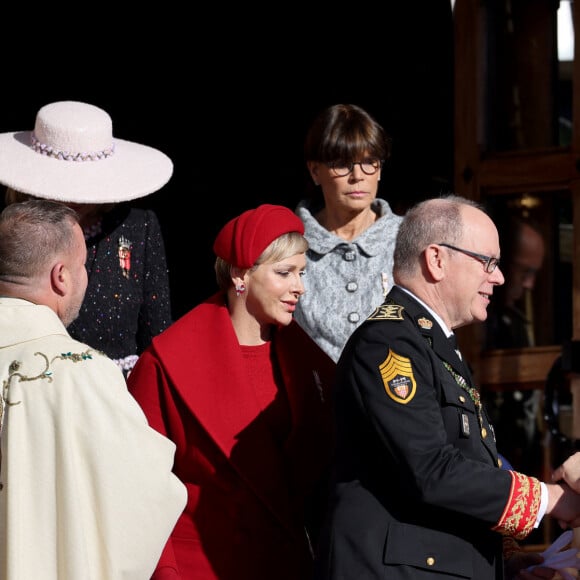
x=398 y=378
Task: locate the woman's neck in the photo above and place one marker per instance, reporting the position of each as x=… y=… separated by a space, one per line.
x=249 y=331
x=346 y=226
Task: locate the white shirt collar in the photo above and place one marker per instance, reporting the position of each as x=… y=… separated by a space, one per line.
x=442 y=324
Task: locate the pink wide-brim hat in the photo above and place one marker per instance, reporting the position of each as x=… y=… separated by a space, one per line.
x=72 y=156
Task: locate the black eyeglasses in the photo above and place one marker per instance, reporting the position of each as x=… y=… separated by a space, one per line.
x=489 y=264
x=342 y=168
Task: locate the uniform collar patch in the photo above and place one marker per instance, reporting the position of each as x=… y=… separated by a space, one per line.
x=387 y=312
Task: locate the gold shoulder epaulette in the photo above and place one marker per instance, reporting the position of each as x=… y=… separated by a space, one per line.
x=387 y=312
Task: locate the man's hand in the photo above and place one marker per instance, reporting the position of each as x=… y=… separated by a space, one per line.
x=569 y=472
x=563 y=505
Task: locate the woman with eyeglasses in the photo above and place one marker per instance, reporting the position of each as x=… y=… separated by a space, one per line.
x=350 y=230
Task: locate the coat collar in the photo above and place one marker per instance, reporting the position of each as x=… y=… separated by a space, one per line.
x=204 y=362
x=203 y=358
x=22 y=320
x=371 y=241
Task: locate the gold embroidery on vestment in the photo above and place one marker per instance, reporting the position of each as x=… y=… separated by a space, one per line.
x=13 y=372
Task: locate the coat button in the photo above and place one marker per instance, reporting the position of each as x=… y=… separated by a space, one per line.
x=350 y=256
x=430 y=561
x=352 y=287
x=484 y=432
x=461 y=399
x=354 y=317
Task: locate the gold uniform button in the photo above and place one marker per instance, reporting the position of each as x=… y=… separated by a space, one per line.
x=484 y=432
x=430 y=561
x=499 y=462
x=461 y=399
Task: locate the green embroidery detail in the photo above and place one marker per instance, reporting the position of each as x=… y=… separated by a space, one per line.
x=76 y=357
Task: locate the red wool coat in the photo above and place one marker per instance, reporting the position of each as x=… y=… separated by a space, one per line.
x=248 y=496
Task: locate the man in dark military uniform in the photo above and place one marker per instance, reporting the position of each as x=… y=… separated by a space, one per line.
x=418 y=492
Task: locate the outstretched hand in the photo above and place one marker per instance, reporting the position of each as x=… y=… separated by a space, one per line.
x=569 y=472
x=563 y=505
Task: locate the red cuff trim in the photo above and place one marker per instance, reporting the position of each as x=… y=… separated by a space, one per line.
x=521 y=509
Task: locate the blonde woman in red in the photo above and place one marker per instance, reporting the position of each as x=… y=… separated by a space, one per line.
x=244 y=394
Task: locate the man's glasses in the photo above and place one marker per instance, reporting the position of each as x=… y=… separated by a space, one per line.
x=489 y=264
x=342 y=168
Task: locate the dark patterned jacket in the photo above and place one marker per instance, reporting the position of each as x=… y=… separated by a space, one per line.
x=127 y=301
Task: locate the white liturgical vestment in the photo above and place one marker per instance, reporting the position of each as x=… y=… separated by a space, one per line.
x=86 y=487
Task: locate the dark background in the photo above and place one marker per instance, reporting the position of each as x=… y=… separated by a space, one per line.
x=229 y=95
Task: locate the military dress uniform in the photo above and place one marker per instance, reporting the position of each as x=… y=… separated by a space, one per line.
x=418 y=491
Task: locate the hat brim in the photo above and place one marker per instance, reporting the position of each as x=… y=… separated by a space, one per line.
x=133 y=171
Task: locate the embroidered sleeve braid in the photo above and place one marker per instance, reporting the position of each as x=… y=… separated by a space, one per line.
x=521 y=509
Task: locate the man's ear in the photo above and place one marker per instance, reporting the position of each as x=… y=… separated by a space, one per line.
x=59 y=278
x=435 y=261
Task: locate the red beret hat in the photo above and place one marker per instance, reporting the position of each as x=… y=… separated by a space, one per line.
x=243 y=239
